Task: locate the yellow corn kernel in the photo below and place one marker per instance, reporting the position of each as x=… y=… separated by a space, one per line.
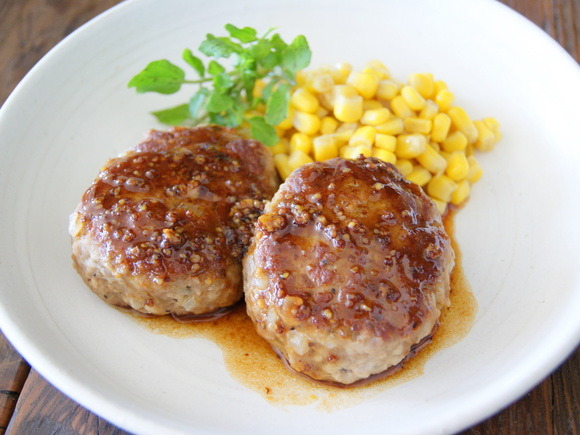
x=372 y=105
x=304 y=101
x=461 y=120
x=353 y=152
x=456 y=141
x=375 y=116
x=302 y=142
x=400 y=107
x=492 y=124
x=441 y=124
x=366 y=84
x=457 y=166
x=386 y=142
x=412 y=97
x=345 y=90
x=410 y=145
x=363 y=136
x=392 y=126
x=287 y=123
x=431 y=160
x=387 y=90
x=281 y=163
x=419 y=175
x=404 y=166
x=417 y=125
x=377 y=65
x=345 y=131
x=259 y=86
x=475 y=172
x=300 y=77
x=384 y=155
x=441 y=205
x=319 y=82
x=444 y=99
x=340 y=72
x=423 y=83
x=298 y=158
x=348 y=108
x=438 y=85
x=321 y=112
x=436 y=147
x=280 y=147
x=485 y=137
x=306 y=123
x=328 y=125
x=441 y=187
x=325 y=147
x=430 y=110
x=460 y=194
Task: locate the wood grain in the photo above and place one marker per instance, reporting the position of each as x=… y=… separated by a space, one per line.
x=28 y=404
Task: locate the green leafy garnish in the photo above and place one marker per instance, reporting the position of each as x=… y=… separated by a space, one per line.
x=225 y=93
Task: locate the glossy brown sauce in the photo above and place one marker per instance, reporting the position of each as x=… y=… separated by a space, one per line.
x=252 y=362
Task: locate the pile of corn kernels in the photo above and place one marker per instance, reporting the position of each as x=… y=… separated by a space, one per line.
x=335 y=111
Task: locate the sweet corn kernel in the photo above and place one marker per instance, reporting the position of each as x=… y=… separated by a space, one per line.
x=457 y=166
x=400 y=107
x=375 y=116
x=259 y=86
x=281 y=163
x=328 y=125
x=417 y=125
x=304 y=101
x=475 y=172
x=280 y=147
x=384 y=155
x=423 y=83
x=345 y=131
x=410 y=145
x=325 y=147
x=461 y=120
x=436 y=147
x=412 y=97
x=348 y=108
x=363 y=136
x=431 y=160
x=404 y=166
x=460 y=194
x=377 y=65
x=298 y=158
x=387 y=142
x=430 y=110
x=441 y=205
x=345 y=90
x=456 y=141
x=438 y=85
x=387 y=90
x=366 y=84
x=287 y=123
x=319 y=82
x=353 y=152
x=419 y=175
x=340 y=72
x=441 y=187
x=444 y=99
x=485 y=137
x=392 y=126
x=300 y=77
x=372 y=105
x=492 y=124
x=441 y=124
x=306 y=123
x=302 y=142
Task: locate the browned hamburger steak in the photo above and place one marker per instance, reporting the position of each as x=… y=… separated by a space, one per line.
x=164 y=227
x=348 y=270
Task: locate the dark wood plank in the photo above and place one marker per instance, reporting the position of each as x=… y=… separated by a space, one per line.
x=28 y=29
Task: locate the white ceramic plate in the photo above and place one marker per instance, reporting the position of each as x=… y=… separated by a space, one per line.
x=519 y=233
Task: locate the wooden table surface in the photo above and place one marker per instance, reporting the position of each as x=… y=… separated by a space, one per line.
x=28 y=404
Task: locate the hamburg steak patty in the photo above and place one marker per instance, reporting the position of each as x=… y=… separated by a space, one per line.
x=164 y=227
x=348 y=270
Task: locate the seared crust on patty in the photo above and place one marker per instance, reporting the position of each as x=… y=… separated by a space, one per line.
x=164 y=227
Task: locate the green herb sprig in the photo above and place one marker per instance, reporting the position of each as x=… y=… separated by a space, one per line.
x=225 y=94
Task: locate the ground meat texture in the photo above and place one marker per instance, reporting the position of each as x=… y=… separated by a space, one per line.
x=348 y=270
x=164 y=227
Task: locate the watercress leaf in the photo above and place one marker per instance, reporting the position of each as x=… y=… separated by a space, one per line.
x=222 y=82
x=245 y=34
x=159 y=76
x=197 y=102
x=219 y=47
x=260 y=49
x=219 y=102
x=194 y=61
x=297 y=55
x=215 y=68
x=277 y=42
x=174 y=115
x=277 y=106
x=262 y=131
x=271 y=60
